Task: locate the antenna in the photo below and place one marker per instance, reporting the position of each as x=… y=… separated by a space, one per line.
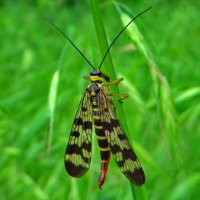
x=116 y=37
x=70 y=42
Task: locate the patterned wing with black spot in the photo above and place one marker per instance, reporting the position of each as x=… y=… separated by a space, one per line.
x=79 y=148
x=120 y=147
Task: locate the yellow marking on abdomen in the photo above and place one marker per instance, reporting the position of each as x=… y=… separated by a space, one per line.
x=94 y=103
x=95 y=117
x=98 y=127
x=101 y=137
x=95 y=109
x=105 y=149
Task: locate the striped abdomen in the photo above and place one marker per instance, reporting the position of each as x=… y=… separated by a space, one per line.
x=101 y=137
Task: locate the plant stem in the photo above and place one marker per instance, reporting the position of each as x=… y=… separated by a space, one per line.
x=137 y=193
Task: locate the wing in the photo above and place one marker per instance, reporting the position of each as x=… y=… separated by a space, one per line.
x=120 y=147
x=78 y=151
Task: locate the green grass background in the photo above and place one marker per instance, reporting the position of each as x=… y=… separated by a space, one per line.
x=41 y=85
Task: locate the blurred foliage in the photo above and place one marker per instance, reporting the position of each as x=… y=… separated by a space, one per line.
x=162 y=112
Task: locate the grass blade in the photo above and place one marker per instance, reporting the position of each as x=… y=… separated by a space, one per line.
x=137 y=193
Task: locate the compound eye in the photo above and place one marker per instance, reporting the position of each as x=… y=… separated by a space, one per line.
x=95 y=73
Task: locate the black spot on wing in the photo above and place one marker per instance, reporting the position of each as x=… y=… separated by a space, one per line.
x=87 y=146
x=137 y=176
x=73 y=170
x=107 y=126
x=115 y=148
x=87 y=125
x=114 y=122
x=78 y=150
x=119 y=144
x=78 y=121
x=122 y=136
x=74 y=148
x=75 y=134
x=126 y=153
x=84 y=109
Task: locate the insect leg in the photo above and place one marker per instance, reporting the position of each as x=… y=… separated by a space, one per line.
x=87 y=78
x=115 y=82
x=123 y=96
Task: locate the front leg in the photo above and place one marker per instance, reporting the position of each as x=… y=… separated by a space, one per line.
x=87 y=78
x=123 y=96
x=115 y=82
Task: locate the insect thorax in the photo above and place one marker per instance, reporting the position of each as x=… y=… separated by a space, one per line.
x=94 y=88
x=96 y=82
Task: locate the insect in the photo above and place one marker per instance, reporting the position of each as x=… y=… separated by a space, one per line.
x=97 y=110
